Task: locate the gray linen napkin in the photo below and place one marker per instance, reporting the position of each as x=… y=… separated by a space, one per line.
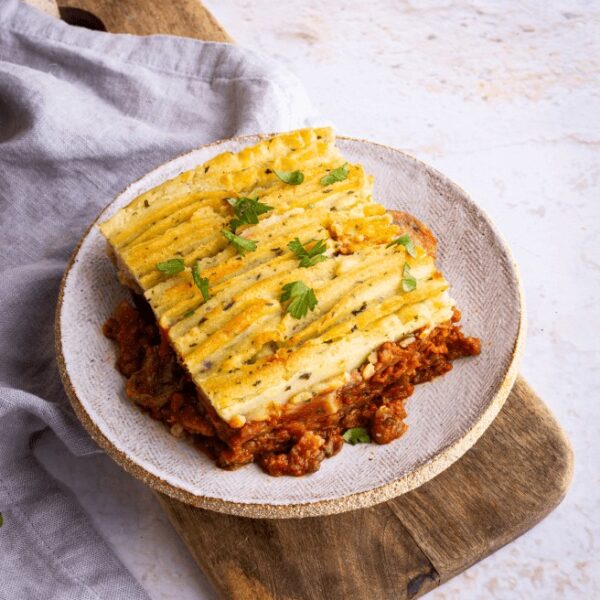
x=82 y=114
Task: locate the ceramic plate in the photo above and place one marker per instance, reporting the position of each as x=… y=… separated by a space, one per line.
x=445 y=417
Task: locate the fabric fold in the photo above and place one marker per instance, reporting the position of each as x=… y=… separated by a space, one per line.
x=82 y=114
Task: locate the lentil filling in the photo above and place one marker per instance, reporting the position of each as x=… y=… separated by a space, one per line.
x=299 y=439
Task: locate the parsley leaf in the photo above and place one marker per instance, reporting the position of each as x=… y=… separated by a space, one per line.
x=242 y=245
x=302 y=298
x=335 y=175
x=291 y=177
x=171 y=267
x=409 y=283
x=308 y=258
x=357 y=435
x=247 y=211
x=404 y=240
x=188 y=313
x=201 y=282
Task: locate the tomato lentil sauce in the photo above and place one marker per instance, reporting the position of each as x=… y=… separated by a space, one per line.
x=299 y=439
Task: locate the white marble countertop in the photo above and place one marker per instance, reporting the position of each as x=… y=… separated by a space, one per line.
x=503 y=98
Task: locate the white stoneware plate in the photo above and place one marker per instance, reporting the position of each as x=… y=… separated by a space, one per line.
x=445 y=417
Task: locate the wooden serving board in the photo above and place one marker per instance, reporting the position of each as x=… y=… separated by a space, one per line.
x=515 y=475
x=512 y=478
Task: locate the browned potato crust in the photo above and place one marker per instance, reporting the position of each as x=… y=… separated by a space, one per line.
x=419 y=231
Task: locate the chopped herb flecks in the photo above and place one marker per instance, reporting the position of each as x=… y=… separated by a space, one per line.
x=291 y=177
x=201 y=282
x=357 y=435
x=308 y=257
x=404 y=240
x=302 y=298
x=409 y=283
x=171 y=267
x=335 y=175
x=247 y=211
x=242 y=245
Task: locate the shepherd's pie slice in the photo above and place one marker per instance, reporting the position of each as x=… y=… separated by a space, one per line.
x=289 y=310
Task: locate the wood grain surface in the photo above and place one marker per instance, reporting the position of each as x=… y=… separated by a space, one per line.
x=47 y=6
x=187 y=18
x=511 y=479
x=514 y=476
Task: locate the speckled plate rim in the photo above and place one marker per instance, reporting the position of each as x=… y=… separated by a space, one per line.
x=426 y=471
